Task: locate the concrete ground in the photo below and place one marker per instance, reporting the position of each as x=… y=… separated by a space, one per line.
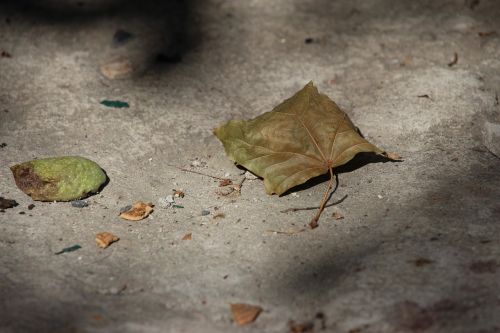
x=418 y=248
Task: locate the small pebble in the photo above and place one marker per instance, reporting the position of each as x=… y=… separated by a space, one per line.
x=79 y=203
x=205 y=212
x=170 y=198
x=31 y=206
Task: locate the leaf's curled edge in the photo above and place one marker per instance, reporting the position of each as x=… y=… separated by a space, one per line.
x=301 y=138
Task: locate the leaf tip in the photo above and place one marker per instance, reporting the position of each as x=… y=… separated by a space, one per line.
x=392 y=156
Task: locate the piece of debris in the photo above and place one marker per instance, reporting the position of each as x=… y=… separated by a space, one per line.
x=31 y=206
x=393 y=156
x=419 y=262
x=424 y=96
x=188 y=236
x=5 y=54
x=65 y=178
x=69 y=249
x=219 y=215
x=225 y=182
x=117 y=69
x=115 y=104
x=138 y=211
x=244 y=314
x=177 y=206
x=7 y=203
x=3 y=145
x=337 y=215
x=491 y=137
x=104 y=239
x=486 y=33
x=287 y=232
x=454 y=61
x=205 y=212
x=178 y=194
x=304 y=327
x=121 y=37
x=79 y=203
x=309 y=40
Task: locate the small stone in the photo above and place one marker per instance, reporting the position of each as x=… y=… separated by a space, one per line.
x=79 y=203
x=105 y=239
x=170 y=198
x=7 y=203
x=31 y=206
x=117 y=69
x=205 y=212
x=491 y=137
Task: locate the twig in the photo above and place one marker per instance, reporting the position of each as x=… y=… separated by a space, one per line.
x=314 y=222
x=454 y=61
x=296 y=209
x=196 y=172
x=289 y=232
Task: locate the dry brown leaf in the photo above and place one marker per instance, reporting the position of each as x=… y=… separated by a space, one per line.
x=139 y=211
x=305 y=136
x=244 y=314
x=225 y=182
x=104 y=239
x=187 y=236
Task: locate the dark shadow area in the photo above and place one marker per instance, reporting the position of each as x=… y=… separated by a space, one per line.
x=169 y=24
x=433 y=222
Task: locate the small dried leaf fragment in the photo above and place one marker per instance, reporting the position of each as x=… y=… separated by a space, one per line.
x=140 y=210
x=225 y=182
x=117 y=69
x=244 y=314
x=64 y=178
x=104 y=239
x=188 y=236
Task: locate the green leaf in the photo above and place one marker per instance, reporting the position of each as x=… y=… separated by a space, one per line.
x=115 y=104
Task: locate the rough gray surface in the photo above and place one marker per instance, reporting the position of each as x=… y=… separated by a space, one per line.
x=365 y=272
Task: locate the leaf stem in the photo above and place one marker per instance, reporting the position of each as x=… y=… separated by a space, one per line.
x=314 y=222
